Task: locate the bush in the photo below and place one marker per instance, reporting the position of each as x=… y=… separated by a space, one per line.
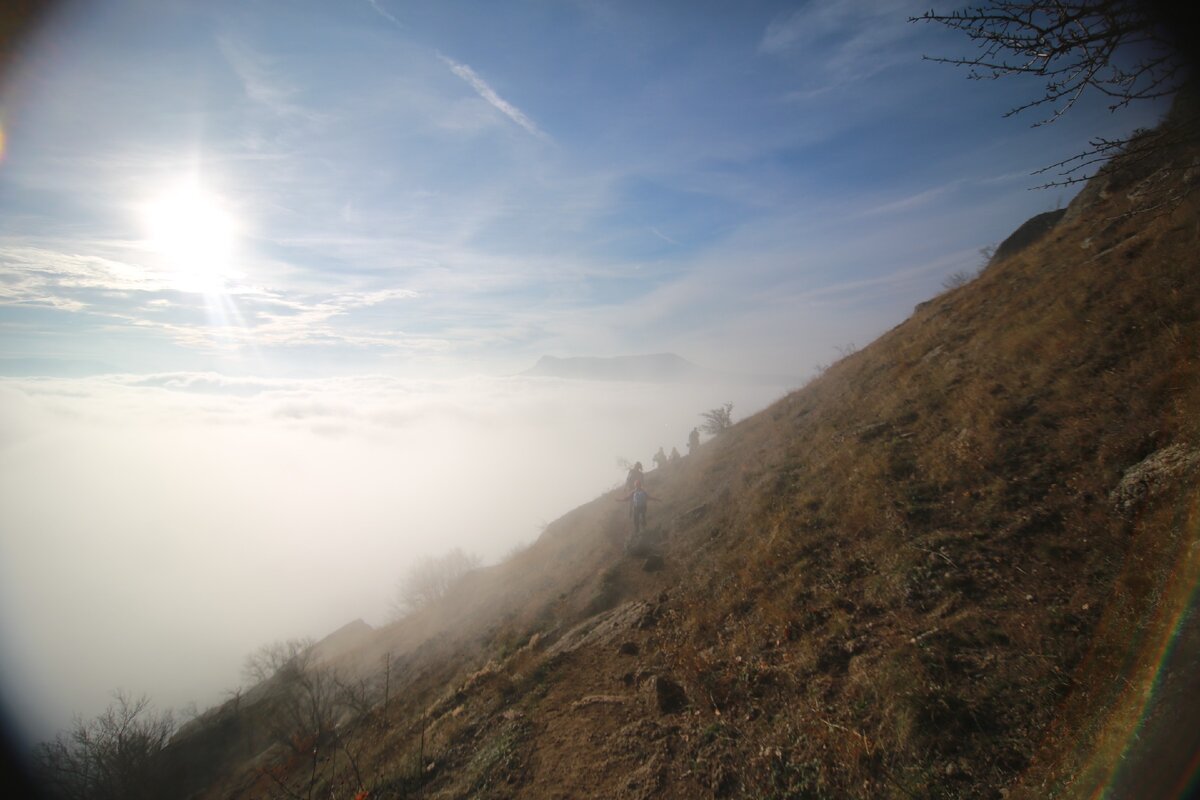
x=956 y=279
x=717 y=419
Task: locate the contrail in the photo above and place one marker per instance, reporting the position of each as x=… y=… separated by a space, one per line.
x=496 y=101
x=383 y=12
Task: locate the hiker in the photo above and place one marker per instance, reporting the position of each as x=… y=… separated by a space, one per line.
x=675 y=455
x=637 y=500
x=634 y=477
x=660 y=459
x=693 y=441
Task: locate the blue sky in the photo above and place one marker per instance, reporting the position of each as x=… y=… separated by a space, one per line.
x=265 y=267
x=456 y=188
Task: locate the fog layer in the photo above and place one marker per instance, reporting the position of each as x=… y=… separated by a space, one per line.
x=156 y=529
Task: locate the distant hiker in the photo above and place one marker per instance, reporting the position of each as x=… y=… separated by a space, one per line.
x=660 y=459
x=634 y=477
x=675 y=455
x=693 y=441
x=637 y=500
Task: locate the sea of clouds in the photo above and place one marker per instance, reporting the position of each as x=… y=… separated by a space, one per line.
x=156 y=529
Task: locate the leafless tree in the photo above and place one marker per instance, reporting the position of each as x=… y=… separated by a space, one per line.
x=428 y=580
x=1125 y=50
x=277 y=657
x=314 y=710
x=111 y=757
x=311 y=706
x=306 y=696
x=357 y=694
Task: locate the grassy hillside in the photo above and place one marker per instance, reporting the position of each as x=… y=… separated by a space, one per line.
x=947 y=567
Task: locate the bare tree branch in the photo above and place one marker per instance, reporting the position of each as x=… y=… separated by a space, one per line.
x=1118 y=48
x=1123 y=50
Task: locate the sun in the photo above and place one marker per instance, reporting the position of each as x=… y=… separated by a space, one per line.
x=194 y=234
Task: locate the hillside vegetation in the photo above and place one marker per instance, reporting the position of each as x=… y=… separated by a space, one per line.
x=947 y=567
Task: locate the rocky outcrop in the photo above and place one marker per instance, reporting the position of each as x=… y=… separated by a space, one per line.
x=604 y=629
x=1030 y=231
x=1154 y=476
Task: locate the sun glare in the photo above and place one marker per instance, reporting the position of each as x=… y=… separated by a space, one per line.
x=190 y=228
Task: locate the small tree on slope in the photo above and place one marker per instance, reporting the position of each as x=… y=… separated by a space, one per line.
x=717 y=419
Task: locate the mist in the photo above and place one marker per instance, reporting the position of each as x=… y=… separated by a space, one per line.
x=157 y=529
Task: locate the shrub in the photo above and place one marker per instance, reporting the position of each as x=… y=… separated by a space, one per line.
x=717 y=419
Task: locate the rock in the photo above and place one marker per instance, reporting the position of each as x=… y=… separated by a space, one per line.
x=1153 y=476
x=600 y=699
x=628 y=649
x=665 y=695
x=605 y=629
x=1030 y=232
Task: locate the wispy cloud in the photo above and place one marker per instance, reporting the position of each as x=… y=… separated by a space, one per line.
x=261 y=81
x=848 y=21
x=124 y=293
x=887 y=280
x=843 y=42
x=31 y=271
x=383 y=12
x=1008 y=177
x=310 y=322
x=916 y=200
x=662 y=235
x=255 y=321
x=485 y=91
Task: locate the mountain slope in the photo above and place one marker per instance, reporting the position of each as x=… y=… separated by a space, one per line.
x=947 y=567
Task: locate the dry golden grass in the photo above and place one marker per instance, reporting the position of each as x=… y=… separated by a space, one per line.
x=904 y=580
